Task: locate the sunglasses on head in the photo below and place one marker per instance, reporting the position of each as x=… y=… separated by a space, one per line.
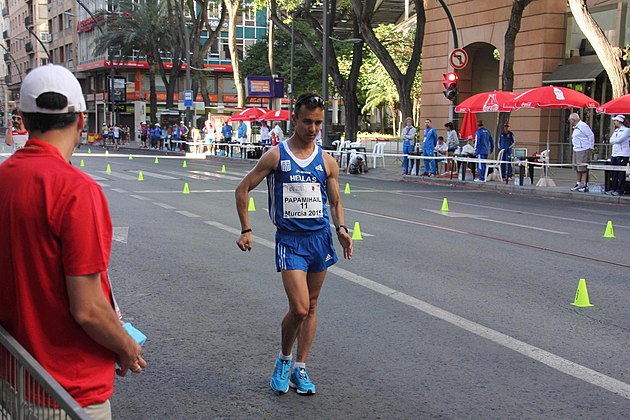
x=315 y=100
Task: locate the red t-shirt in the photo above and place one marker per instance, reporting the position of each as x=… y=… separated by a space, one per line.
x=57 y=223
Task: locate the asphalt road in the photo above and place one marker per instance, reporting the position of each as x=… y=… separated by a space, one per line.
x=464 y=315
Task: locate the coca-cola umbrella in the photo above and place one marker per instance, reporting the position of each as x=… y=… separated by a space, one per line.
x=496 y=101
x=275 y=115
x=621 y=105
x=553 y=97
x=469 y=126
x=248 y=114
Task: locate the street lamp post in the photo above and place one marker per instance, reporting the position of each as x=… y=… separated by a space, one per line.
x=325 y=35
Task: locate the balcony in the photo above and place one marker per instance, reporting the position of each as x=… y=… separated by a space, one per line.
x=5 y=34
x=5 y=11
x=28 y=21
x=29 y=47
x=7 y=57
x=7 y=79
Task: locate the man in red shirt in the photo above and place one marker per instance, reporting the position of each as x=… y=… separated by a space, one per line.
x=55 y=296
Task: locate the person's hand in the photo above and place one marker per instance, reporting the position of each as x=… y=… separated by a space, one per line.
x=346 y=243
x=245 y=241
x=131 y=359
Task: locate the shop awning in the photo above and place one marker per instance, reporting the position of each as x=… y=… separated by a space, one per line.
x=584 y=72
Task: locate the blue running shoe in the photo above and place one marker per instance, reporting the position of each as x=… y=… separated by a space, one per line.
x=301 y=382
x=280 y=378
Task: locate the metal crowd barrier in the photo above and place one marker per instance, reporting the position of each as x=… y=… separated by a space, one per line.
x=27 y=391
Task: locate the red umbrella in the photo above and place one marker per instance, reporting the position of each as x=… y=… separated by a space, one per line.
x=469 y=126
x=621 y=105
x=488 y=102
x=275 y=115
x=553 y=97
x=248 y=114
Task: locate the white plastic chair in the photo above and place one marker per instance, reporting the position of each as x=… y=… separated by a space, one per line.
x=496 y=167
x=378 y=153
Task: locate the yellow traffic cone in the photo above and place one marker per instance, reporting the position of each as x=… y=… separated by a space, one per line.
x=609 y=233
x=581 y=295
x=356 y=232
x=140 y=176
x=347 y=190
x=184 y=165
x=82 y=164
x=445 y=205
x=223 y=169
x=130 y=157
x=252 y=206
x=106 y=152
x=109 y=169
x=89 y=151
x=156 y=160
x=186 y=189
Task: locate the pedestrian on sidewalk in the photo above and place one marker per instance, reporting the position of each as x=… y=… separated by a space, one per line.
x=55 y=295
x=428 y=148
x=301 y=179
x=583 y=141
x=620 y=155
x=484 y=145
x=506 y=143
x=408 y=138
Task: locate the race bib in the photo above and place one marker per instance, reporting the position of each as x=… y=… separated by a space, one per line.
x=302 y=200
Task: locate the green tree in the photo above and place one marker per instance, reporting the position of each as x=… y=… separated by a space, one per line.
x=233 y=8
x=138 y=26
x=307 y=76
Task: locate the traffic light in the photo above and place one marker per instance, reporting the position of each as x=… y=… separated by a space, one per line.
x=450 y=85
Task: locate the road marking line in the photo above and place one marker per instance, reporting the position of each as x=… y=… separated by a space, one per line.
x=118 y=175
x=218 y=175
x=97 y=178
x=485 y=219
x=558 y=363
x=102 y=184
x=139 y=197
x=120 y=190
x=164 y=206
x=152 y=175
x=180 y=191
x=187 y=213
x=120 y=233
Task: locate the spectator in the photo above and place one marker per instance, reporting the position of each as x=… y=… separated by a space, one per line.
x=441 y=148
x=428 y=148
x=17 y=135
x=356 y=165
x=620 y=155
x=583 y=141
x=484 y=145
x=452 y=141
x=183 y=134
x=155 y=134
x=506 y=143
x=277 y=135
x=55 y=295
x=196 y=139
x=144 y=134
x=242 y=133
x=265 y=136
x=408 y=137
x=209 y=134
x=164 y=138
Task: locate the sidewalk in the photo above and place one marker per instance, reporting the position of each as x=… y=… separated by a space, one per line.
x=563 y=177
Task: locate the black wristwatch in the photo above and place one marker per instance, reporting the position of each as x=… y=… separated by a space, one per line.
x=339 y=229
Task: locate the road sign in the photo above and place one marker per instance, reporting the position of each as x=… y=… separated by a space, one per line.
x=188 y=98
x=458 y=58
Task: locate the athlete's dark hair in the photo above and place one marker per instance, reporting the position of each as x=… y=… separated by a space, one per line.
x=310 y=101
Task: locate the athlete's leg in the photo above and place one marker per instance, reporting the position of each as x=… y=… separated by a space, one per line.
x=295 y=286
x=306 y=333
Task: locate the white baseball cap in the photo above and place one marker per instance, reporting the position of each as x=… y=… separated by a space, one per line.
x=619 y=118
x=55 y=79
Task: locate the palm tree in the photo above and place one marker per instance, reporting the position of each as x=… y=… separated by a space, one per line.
x=138 y=26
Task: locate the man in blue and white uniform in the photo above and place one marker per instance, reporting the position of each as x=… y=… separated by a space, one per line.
x=301 y=181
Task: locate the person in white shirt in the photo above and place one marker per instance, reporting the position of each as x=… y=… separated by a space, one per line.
x=583 y=141
x=17 y=136
x=356 y=164
x=276 y=134
x=620 y=155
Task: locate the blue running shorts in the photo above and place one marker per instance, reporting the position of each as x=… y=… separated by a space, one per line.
x=308 y=251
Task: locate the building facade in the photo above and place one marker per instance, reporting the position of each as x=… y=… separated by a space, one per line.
x=550 y=49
